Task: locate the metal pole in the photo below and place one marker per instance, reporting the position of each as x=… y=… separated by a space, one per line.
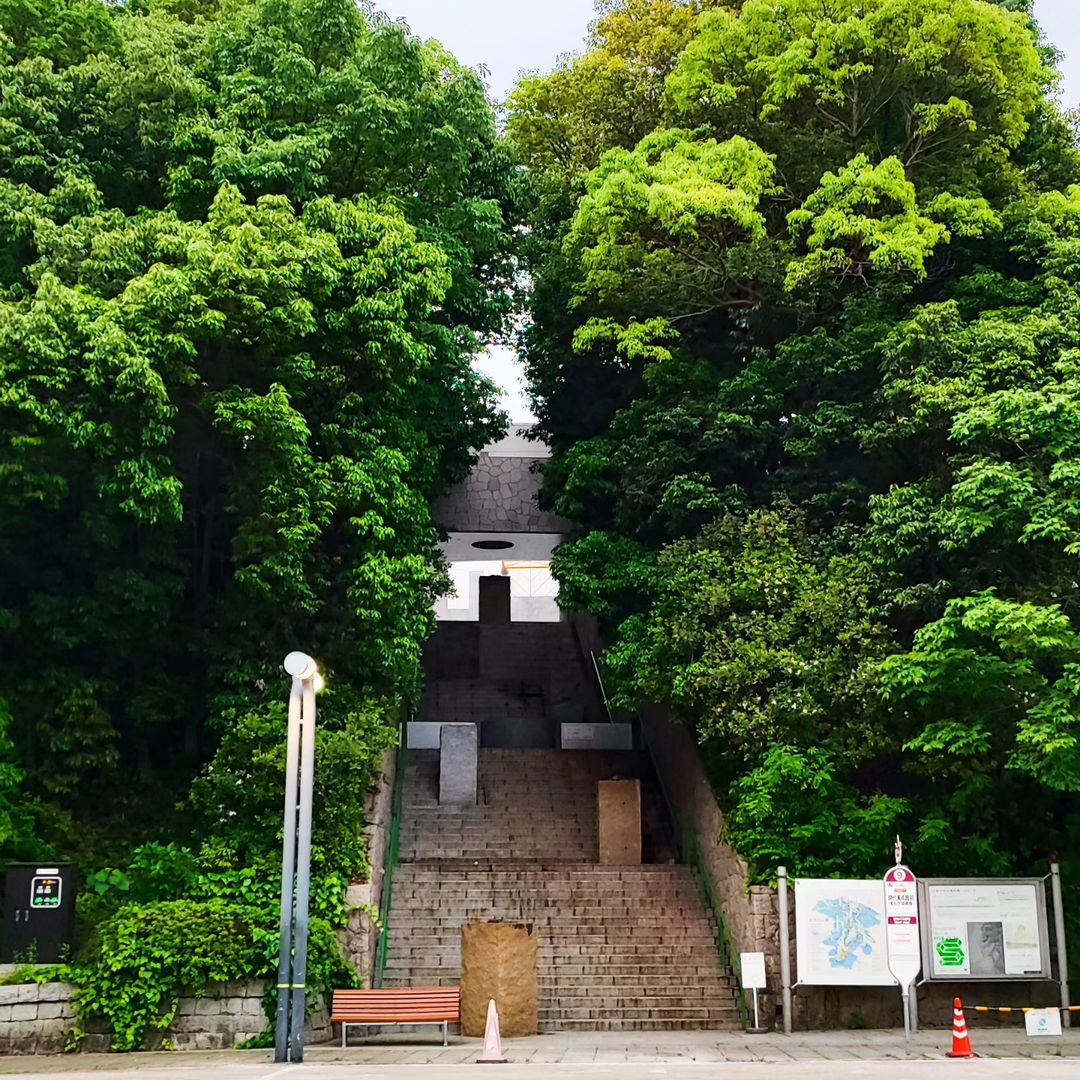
x=1059 y=933
x=288 y=875
x=303 y=870
x=785 y=947
x=906 y=1005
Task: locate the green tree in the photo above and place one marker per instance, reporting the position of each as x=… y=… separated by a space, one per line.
x=247 y=252
x=811 y=321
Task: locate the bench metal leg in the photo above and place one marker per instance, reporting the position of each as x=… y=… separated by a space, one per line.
x=344 y=1032
x=444 y=1027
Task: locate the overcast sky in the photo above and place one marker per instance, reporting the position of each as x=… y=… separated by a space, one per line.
x=511 y=36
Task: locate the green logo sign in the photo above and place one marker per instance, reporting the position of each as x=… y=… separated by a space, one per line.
x=950 y=952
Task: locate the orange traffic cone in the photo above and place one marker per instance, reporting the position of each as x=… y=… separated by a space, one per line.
x=492 y=1053
x=961 y=1040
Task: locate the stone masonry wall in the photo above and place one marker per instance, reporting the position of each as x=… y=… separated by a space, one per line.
x=500 y=495
x=360 y=938
x=35 y=1019
x=39 y=1019
x=750 y=918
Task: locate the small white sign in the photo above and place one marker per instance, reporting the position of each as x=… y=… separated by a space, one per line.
x=753 y=970
x=902 y=926
x=1042 y=1022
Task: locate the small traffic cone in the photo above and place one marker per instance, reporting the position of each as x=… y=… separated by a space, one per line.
x=492 y=1053
x=961 y=1040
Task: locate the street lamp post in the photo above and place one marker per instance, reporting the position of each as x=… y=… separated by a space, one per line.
x=296 y=859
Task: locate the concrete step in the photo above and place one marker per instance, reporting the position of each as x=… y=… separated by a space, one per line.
x=547 y=1026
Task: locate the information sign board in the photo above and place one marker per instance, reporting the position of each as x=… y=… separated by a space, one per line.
x=840 y=933
x=985 y=929
x=902 y=925
x=753 y=970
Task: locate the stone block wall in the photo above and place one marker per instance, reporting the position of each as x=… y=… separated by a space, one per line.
x=40 y=1019
x=35 y=1019
x=360 y=938
x=500 y=495
x=751 y=920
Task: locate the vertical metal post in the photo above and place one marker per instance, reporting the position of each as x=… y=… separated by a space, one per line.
x=303 y=870
x=1059 y=933
x=288 y=875
x=785 y=947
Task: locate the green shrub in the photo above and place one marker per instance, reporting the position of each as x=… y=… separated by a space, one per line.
x=150 y=956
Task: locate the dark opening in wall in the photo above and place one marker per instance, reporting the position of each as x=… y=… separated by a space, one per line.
x=492 y=545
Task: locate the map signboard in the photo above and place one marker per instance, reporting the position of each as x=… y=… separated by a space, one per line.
x=840 y=933
x=985 y=929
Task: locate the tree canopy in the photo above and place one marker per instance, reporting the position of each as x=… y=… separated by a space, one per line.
x=247 y=252
x=804 y=335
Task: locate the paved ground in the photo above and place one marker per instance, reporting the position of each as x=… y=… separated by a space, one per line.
x=1006 y=1055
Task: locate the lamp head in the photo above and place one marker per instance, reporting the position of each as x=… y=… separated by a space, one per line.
x=301 y=666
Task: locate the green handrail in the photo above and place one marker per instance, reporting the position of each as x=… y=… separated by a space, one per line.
x=689 y=854
x=693 y=857
x=390 y=863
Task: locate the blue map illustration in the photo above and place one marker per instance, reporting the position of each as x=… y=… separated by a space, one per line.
x=849 y=937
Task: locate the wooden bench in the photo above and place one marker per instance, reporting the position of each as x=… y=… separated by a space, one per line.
x=407 y=1005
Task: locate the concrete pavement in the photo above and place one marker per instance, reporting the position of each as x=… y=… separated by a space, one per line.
x=1006 y=1053
x=981 y=1069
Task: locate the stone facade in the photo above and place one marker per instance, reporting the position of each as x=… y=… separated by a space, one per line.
x=40 y=1019
x=500 y=495
x=360 y=938
x=751 y=921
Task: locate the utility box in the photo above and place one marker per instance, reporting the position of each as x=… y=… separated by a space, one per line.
x=39 y=913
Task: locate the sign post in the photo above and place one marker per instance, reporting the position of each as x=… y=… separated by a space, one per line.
x=753 y=978
x=902 y=933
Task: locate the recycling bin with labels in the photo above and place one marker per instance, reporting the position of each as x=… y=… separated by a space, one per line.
x=39 y=913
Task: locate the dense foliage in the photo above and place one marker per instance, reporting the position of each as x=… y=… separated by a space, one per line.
x=805 y=341
x=247 y=250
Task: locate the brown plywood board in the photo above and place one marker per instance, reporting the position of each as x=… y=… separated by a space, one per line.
x=619 y=818
x=498 y=961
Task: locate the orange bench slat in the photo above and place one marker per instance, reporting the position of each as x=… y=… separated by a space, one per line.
x=397 y=1006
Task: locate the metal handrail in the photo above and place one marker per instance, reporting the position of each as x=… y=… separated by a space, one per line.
x=694 y=857
x=689 y=853
x=600 y=683
x=392 y=846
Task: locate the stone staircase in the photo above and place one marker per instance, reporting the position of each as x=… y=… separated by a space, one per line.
x=532 y=806
x=620 y=948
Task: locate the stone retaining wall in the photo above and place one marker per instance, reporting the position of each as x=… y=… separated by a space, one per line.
x=360 y=938
x=751 y=922
x=35 y=1019
x=40 y=1019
